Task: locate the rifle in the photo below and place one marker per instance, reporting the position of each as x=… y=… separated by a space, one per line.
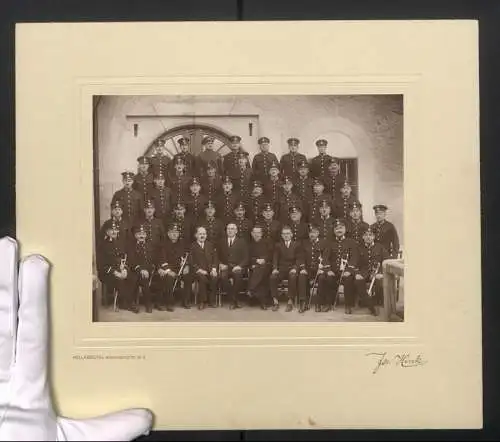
x=320 y=259
x=375 y=270
x=343 y=265
x=123 y=265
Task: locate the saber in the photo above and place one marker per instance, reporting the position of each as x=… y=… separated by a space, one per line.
x=343 y=265
x=181 y=268
x=320 y=259
x=375 y=271
x=123 y=265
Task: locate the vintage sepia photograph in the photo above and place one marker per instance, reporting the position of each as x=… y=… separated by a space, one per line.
x=248 y=208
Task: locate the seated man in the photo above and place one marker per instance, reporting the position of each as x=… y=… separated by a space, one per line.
x=287 y=259
x=172 y=256
x=261 y=252
x=203 y=263
x=371 y=256
x=314 y=268
x=233 y=261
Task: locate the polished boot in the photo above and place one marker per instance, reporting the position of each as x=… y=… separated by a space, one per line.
x=289 y=307
x=276 y=305
x=302 y=306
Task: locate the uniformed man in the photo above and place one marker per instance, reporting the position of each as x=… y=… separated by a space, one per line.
x=319 y=164
x=143 y=180
x=262 y=161
x=155 y=230
x=187 y=157
x=261 y=253
x=303 y=184
x=287 y=200
x=343 y=204
x=173 y=254
x=343 y=260
x=211 y=183
x=226 y=201
x=325 y=222
x=318 y=196
x=314 y=268
x=179 y=182
x=287 y=259
x=242 y=223
x=334 y=179
x=112 y=266
x=213 y=225
x=271 y=228
x=371 y=257
x=243 y=182
x=124 y=227
x=159 y=160
x=208 y=155
x=161 y=197
x=355 y=225
x=230 y=160
x=290 y=161
x=143 y=260
x=299 y=228
x=184 y=223
x=233 y=261
x=131 y=200
x=256 y=202
x=195 y=201
x=385 y=232
x=272 y=186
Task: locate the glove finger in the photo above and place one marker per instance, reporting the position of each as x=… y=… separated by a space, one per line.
x=8 y=303
x=32 y=333
x=120 y=426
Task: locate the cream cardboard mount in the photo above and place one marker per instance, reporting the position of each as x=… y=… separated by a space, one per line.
x=246 y=375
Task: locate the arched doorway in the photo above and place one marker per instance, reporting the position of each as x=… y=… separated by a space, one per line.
x=196 y=133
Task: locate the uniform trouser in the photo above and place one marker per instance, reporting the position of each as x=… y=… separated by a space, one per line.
x=166 y=284
x=258 y=281
x=322 y=284
x=235 y=288
x=279 y=277
x=122 y=286
x=137 y=280
x=207 y=287
x=362 y=292
x=349 y=289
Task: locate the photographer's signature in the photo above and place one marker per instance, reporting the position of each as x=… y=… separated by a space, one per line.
x=404 y=360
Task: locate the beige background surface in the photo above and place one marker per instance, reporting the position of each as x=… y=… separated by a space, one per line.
x=262 y=375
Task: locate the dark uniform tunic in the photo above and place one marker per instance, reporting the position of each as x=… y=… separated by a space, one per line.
x=189 y=160
x=185 y=225
x=211 y=187
x=162 y=201
x=333 y=184
x=243 y=183
x=208 y=156
x=230 y=164
x=272 y=190
x=369 y=257
x=195 y=205
x=159 y=163
x=325 y=226
x=315 y=203
x=143 y=183
x=225 y=205
x=214 y=228
x=345 y=248
x=356 y=229
x=124 y=229
x=342 y=207
x=143 y=256
x=179 y=186
x=131 y=201
x=303 y=188
x=155 y=230
x=312 y=251
x=271 y=230
x=386 y=234
x=285 y=203
x=244 y=226
x=299 y=231
x=254 y=208
x=289 y=163
x=262 y=163
x=319 y=165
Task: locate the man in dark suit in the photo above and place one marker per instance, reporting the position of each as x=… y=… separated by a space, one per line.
x=203 y=264
x=131 y=200
x=385 y=232
x=290 y=161
x=319 y=164
x=261 y=254
x=233 y=261
x=287 y=259
x=263 y=160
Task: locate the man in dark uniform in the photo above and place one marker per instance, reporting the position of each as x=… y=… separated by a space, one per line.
x=173 y=254
x=195 y=201
x=244 y=179
x=242 y=223
x=256 y=202
x=187 y=157
x=161 y=197
x=179 y=182
x=271 y=228
x=112 y=266
x=303 y=184
x=371 y=256
x=325 y=222
x=355 y=225
x=155 y=230
x=319 y=164
x=143 y=180
x=143 y=260
x=208 y=155
x=260 y=253
x=385 y=231
x=299 y=227
x=226 y=201
x=334 y=179
x=263 y=160
x=290 y=161
x=318 y=196
x=315 y=266
x=343 y=204
x=124 y=227
x=203 y=264
x=272 y=187
x=287 y=259
x=213 y=225
x=343 y=260
x=230 y=160
x=211 y=183
x=131 y=200
x=184 y=223
x=233 y=262
x=287 y=200
x=159 y=160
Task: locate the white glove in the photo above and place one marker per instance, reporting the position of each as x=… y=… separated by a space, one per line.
x=26 y=411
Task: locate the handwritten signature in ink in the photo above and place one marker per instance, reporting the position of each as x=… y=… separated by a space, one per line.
x=403 y=360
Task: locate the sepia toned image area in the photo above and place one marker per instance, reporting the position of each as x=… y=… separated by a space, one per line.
x=248 y=208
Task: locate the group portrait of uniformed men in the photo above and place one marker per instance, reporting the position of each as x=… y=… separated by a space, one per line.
x=195 y=226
